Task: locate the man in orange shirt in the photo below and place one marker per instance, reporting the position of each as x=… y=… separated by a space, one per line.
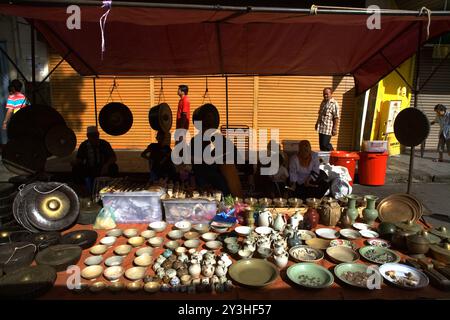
x=184 y=107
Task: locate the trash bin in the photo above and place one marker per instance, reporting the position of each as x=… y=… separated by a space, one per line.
x=372 y=168
x=345 y=159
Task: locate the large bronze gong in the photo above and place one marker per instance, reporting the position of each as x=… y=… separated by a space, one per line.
x=411 y=127
x=24 y=155
x=59 y=256
x=16 y=255
x=60 y=141
x=19 y=211
x=160 y=117
x=115 y=118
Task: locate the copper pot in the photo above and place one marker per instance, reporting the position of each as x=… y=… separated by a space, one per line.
x=399 y=238
x=418 y=243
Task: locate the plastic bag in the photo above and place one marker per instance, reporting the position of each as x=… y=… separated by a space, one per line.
x=105 y=219
x=340 y=188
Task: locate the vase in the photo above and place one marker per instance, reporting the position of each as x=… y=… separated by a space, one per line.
x=330 y=212
x=370 y=214
x=311 y=219
x=352 y=212
x=345 y=222
x=279 y=222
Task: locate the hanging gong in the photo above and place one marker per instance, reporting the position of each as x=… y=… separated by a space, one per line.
x=160 y=117
x=115 y=118
x=60 y=141
x=208 y=115
x=43 y=240
x=16 y=255
x=28 y=282
x=82 y=238
x=24 y=155
x=60 y=256
x=51 y=206
x=411 y=127
x=34 y=120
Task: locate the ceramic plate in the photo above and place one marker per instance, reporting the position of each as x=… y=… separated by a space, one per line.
x=379 y=255
x=340 y=254
x=379 y=243
x=305 y=254
x=318 y=243
x=361 y=226
x=306 y=234
x=263 y=230
x=403 y=276
x=350 y=234
x=342 y=242
x=370 y=234
x=243 y=230
x=253 y=272
x=327 y=233
x=353 y=274
x=310 y=275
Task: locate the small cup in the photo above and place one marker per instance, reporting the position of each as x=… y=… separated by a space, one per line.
x=186 y=280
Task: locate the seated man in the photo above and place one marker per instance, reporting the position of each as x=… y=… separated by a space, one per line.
x=95 y=158
x=159 y=159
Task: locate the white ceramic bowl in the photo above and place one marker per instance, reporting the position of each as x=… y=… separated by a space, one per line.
x=147 y=234
x=369 y=234
x=219 y=229
x=123 y=249
x=361 y=226
x=175 y=234
x=209 y=236
x=243 y=230
x=114 y=261
x=98 y=249
x=201 y=227
x=156 y=242
x=135 y=273
x=327 y=233
x=213 y=245
x=143 y=260
x=108 y=241
x=263 y=230
x=245 y=254
x=145 y=250
x=92 y=272
x=184 y=226
x=350 y=234
x=93 y=260
x=192 y=244
x=129 y=233
x=114 y=233
x=172 y=245
x=114 y=273
x=136 y=241
x=158 y=226
x=180 y=250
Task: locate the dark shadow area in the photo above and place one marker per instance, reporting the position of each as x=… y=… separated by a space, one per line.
x=347 y=112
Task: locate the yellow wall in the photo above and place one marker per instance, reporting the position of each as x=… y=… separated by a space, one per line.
x=392 y=87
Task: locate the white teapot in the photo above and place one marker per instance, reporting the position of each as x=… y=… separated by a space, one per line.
x=265 y=219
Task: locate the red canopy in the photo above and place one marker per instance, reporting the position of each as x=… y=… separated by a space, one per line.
x=166 y=41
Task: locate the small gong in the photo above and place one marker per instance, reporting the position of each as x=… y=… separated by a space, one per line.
x=411 y=127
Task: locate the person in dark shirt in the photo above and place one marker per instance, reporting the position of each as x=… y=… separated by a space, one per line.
x=95 y=158
x=159 y=159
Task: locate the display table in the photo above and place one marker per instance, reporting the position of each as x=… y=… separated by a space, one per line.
x=282 y=288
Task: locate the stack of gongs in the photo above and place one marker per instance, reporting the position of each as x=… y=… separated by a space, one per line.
x=36 y=133
x=46 y=206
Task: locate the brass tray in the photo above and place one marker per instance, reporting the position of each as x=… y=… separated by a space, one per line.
x=397 y=208
x=253 y=272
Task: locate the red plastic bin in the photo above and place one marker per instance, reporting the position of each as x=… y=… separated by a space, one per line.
x=372 y=168
x=345 y=159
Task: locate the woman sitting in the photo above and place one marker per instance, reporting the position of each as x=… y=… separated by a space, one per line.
x=306 y=178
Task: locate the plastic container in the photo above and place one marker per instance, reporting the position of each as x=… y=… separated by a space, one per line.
x=372 y=168
x=380 y=146
x=193 y=210
x=134 y=207
x=345 y=159
x=324 y=156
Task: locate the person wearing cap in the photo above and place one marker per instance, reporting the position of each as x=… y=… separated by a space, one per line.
x=95 y=158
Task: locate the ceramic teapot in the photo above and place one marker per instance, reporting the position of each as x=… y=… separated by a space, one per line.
x=296 y=219
x=208 y=270
x=281 y=260
x=226 y=259
x=221 y=269
x=294 y=240
x=263 y=243
x=279 y=250
x=265 y=219
x=279 y=222
x=330 y=212
x=288 y=231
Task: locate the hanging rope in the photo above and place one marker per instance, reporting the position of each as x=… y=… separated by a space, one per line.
x=106 y=4
x=115 y=88
x=161 y=92
x=206 y=94
x=428 y=12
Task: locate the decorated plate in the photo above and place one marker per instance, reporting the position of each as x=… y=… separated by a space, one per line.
x=342 y=242
x=379 y=255
x=306 y=234
x=305 y=254
x=403 y=276
x=378 y=243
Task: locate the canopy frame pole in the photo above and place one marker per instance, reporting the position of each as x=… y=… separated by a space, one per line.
x=51 y=72
x=435 y=70
x=70 y=49
x=397 y=72
x=95 y=101
x=33 y=62
x=416 y=96
x=226 y=101
x=13 y=63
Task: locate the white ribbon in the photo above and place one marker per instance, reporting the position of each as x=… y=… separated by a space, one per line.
x=106 y=4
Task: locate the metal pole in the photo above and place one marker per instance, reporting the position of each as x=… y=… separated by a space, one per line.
x=33 y=63
x=416 y=96
x=226 y=99
x=95 y=102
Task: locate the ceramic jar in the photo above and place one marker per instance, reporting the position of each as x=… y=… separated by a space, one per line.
x=281 y=260
x=399 y=238
x=195 y=269
x=330 y=212
x=345 y=221
x=311 y=219
x=265 y=219
x=279 y=222
x=294 y=240
x=221 y=269
x=351 y=211
x=370 y=214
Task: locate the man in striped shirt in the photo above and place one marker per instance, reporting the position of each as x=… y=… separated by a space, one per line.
x=16 y=101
